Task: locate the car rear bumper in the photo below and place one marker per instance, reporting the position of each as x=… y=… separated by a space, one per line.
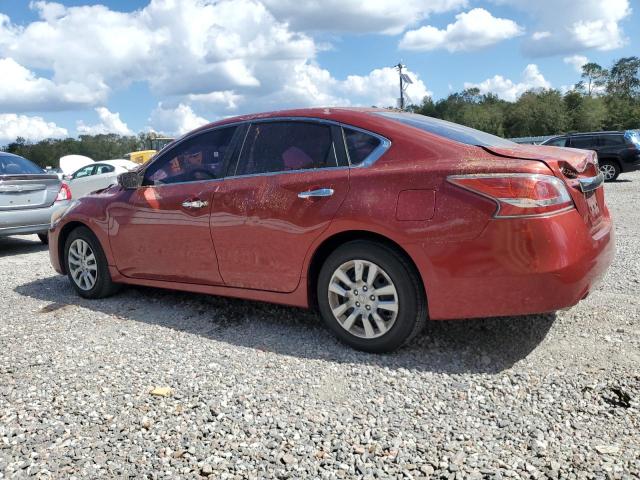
x=518 y=267
x=28 y=221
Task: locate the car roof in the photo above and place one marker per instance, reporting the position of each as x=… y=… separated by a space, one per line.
x=609 y=132
x=117 y=162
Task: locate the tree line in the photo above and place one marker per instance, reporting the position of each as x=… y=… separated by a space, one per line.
x=603 y=99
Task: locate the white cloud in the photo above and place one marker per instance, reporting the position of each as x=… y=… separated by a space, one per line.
x=564 y=26
x=380 y=88
x=175 y=121
x=577 y=61
x=510 y=90
x=13 y=126
x=358 y=16
x=472 y=30
x=109 y=123
x=21 y=90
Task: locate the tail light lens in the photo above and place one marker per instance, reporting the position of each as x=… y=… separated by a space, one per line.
x=519 y=194
x=64 y=193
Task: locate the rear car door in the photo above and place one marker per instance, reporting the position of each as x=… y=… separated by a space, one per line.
x=161 y=232
x=290 y=179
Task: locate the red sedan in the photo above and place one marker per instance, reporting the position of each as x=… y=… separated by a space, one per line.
x=381 y=219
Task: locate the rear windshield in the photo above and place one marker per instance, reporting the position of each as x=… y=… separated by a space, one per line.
x=452 y=131
x=15 y=165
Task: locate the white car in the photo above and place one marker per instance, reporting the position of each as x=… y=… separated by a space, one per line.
x=98 y=175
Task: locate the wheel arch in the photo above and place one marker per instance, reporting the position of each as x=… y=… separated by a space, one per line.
x=65 y=231
x=329 y=244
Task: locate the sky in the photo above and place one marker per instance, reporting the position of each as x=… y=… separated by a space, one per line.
x=124 y=66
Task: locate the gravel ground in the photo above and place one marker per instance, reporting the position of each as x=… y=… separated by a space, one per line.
x=264 y=391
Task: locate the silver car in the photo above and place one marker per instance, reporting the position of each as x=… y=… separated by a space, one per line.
x=29 y=196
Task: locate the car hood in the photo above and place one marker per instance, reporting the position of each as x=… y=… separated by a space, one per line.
x=577 y=159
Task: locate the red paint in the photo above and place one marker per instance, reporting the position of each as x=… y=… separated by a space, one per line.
x=258 y=238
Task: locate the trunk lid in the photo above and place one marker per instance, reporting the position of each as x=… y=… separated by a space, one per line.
x=23 y=191
x=577 y=168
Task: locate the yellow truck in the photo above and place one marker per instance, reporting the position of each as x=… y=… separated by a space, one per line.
x=154 y=146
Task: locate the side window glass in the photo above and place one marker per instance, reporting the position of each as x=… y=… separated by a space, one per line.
x=611 y=140
x=359 y=145
x=558 y=142
x=100 y=169
x=285 y=146
x=199 y=158
x=583 y=142
x=84 y=172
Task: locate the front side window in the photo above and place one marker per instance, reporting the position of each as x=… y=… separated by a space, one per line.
x=611 y=140
x=285 y=146
x=198 y=158
x=84 y=172
x=359 y=145
x=584 y=142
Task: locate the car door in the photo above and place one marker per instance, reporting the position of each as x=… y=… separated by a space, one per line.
x=161 y=230
x=103 y=176
x=290 y=179
x=80 y=183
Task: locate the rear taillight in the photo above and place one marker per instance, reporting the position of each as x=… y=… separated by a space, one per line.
x=518 y=194
x=64 y=193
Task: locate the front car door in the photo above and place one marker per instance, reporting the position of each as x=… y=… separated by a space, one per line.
x=80 y=183
x=162 y=231
x=290 y=180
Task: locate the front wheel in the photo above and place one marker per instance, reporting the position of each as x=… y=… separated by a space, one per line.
x=610 y=170
x=87 y=266
x=371 y=297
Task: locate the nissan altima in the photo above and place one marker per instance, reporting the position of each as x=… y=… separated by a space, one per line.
x=379 y=219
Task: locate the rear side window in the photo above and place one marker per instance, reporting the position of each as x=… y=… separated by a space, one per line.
x=449 y=130
x=15 y=165
x=198 y=158
x=611 y=140
x=584 y=142
x=285 y=146
x=359 y=145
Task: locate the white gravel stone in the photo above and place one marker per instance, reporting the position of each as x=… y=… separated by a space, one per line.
x=263 y=391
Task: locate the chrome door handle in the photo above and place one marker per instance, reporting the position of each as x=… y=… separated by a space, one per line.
x=195 y=204
x=321 y=192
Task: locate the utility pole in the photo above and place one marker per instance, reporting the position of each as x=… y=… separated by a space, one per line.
x=399 y=67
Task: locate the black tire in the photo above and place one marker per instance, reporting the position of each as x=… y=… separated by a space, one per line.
x=611 y=170
x=44 y=238
x=411 y=300
x=103 y=286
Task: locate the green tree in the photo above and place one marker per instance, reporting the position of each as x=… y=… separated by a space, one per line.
x=593 y=76
x=623 y=79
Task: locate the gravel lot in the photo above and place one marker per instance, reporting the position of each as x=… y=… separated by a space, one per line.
x=265 y=391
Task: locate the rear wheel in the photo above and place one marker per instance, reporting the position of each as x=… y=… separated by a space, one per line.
x=87 y=266
x=44 y=238
x=371 y=297
x=610 y=170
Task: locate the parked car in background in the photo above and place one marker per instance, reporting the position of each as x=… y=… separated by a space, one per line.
x=381 y=219
x=96 y=176
x=618 y=152
x=28 y=197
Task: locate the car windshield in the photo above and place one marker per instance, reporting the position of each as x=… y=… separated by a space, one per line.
x=15 y=165
x=449 y=130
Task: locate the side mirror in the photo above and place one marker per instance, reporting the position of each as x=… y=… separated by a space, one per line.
x=130 y=180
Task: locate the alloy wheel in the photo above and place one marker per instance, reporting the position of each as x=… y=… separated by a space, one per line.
x=82 y=264
x=608 y=170
x=363 y=299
